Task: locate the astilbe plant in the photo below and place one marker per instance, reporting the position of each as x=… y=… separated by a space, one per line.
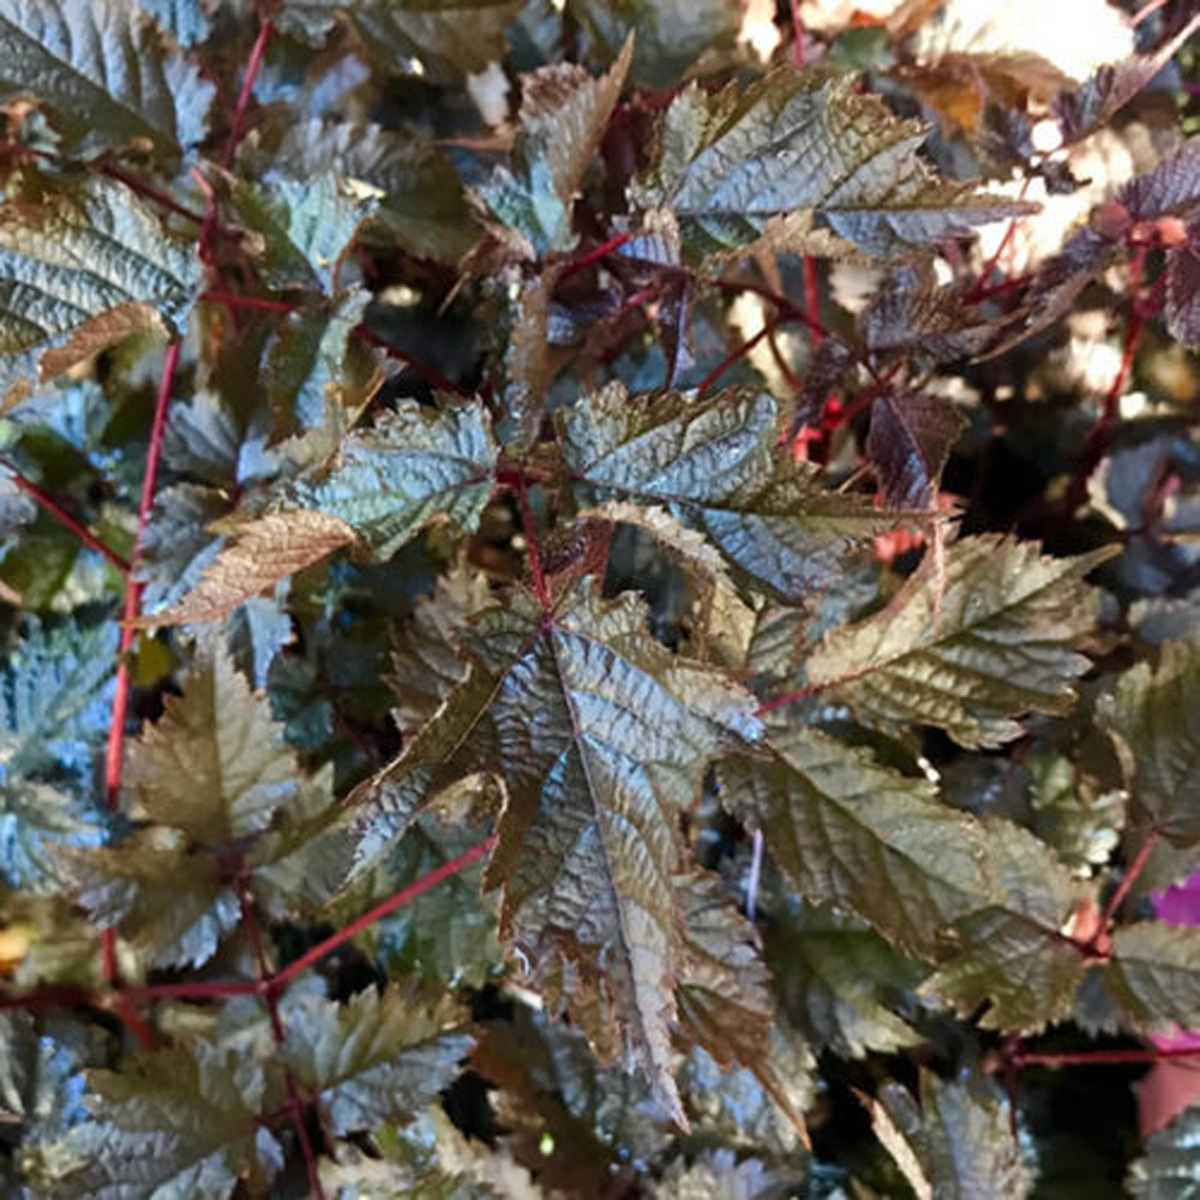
x=599 y=599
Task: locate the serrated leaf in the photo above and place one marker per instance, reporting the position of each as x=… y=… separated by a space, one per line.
x=909 y=441
x=179 y=545
x=54 y=698
x=449 y=39
x=255 y=558
x=104 y=74
x=969 y=653
x=686 y=546
x=957 y=1144
x=175 y=1124
x=306 y=227
x=605 y=739
x=423 y=203
x=716 y=465
x=1157 y=729
x=169 y=900
x=803 y=140
x=840 y=982
x=34 y=819
x=1154 y=975
x=319 y=377
x=670 y=36
x=415 y=466
x=66 y=262
x=221 y=739
x=719 y=1175
x=723 y=988
x=889 y=852
x=1183 y=293
x=564 y=113
x=1170 y=1167
x=374 y=1058
x=1016 y=957
x=427 y=652
x=447 y=935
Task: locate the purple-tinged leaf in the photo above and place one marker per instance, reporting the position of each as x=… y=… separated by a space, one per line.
x=909 y=441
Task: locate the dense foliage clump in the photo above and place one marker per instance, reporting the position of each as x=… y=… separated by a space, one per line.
x=599 y=599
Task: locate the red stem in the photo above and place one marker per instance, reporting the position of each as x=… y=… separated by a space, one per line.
x=115 y=749
x=270 y=999
x=1135 y=868
x=786 y=699
x=1151 y=6
x=149 y=192
x=594 y=255
x=1100 y=436
x=386 y=908
x=259 y=303
x=47 y=502
x=431 y=376
x=792 y=311
x=533 y=548
x=1100 y=1058
x=975 y=294
x=133 y=589
x=193 y=991
x=734 y=355
x=797 y=35
x=243 y=100
x=812 y=296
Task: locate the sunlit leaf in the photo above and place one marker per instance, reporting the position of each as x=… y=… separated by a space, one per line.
x=105 y=74
x=972 y=652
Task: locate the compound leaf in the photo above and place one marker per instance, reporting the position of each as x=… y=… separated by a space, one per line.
x=605 y=739
x=968 y=653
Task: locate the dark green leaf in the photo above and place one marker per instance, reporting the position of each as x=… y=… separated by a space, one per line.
x=957 y=1144
x=969 y=652
x=374 y=1058
x=888 y=850
x=564 y=112
x=1156 y=724
x=840 y=982
x=1154 y=975
x=450 y=39
x=176 y=1124
x=1170 y=1167
x=1017 y=959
